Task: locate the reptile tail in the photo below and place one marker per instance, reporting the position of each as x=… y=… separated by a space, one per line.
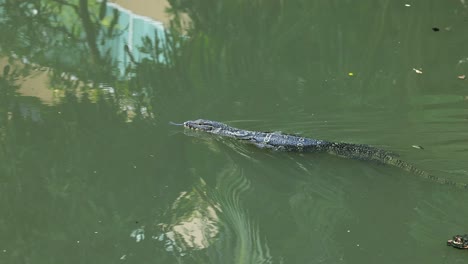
x=410 y=168
x=364 y=152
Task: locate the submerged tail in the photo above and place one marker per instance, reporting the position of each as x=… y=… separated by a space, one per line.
x=364 y=152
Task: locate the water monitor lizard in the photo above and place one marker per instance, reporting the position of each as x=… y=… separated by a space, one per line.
x=293 y=143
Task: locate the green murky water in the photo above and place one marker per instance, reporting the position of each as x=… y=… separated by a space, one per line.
x=97 y=175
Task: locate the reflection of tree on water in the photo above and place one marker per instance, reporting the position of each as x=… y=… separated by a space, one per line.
x=47 y=33
x=76 y=41
x=214 y=219
x=69 y=175
x=7 y=92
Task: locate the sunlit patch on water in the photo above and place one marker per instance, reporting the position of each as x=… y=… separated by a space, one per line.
x=194 y=223
x=138 y=234
x=215 y=220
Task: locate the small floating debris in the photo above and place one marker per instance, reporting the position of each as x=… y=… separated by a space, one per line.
x=418 y=71
x=417 y=147
x=458 y=241
x=407 y=5
x=435 y=29
x=350 y=74
x=461 y=77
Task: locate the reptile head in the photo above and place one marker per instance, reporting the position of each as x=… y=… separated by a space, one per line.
x=204 y=125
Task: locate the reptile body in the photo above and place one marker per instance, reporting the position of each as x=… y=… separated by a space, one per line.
x=293 y=143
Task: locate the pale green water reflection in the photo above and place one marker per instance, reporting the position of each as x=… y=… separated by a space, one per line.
x=79 y=183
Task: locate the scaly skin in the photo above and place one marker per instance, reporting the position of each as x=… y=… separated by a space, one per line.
x=292 y=143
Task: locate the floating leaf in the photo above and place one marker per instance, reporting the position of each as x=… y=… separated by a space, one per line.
x=417 y=147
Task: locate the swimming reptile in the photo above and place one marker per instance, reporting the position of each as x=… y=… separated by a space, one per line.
x=286 y=142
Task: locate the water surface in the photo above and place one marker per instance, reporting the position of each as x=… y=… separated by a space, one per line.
x=100 y=176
